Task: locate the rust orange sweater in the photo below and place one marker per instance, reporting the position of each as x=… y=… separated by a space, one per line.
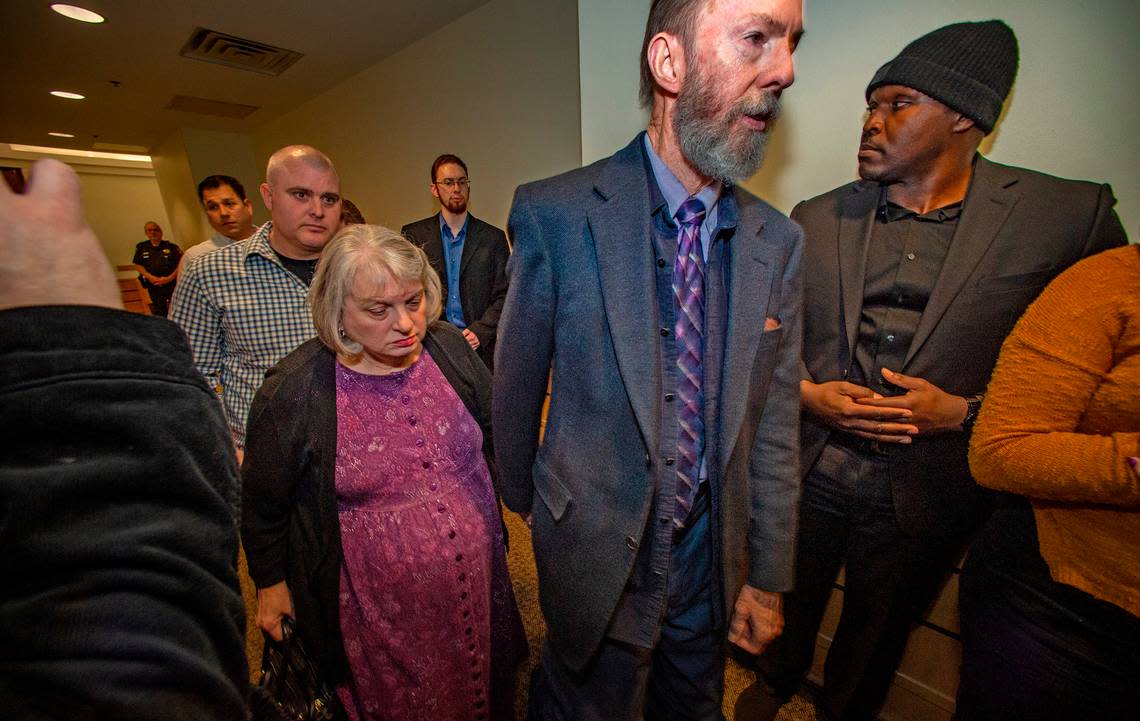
x=1061 y=416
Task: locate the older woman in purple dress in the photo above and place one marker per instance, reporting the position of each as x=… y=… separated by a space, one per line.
x=368 y=509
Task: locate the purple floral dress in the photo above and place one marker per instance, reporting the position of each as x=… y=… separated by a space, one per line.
x=427 y=613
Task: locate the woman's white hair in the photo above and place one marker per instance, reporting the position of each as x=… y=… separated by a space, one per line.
x=382 y=253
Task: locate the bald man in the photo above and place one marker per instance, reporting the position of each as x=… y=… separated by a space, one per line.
x=245 y=306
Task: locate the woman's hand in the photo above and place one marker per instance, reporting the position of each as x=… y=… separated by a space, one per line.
x=273 y=604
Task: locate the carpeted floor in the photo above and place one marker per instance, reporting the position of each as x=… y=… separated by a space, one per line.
x=521 y=563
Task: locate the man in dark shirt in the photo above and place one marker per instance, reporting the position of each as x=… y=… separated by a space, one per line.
x=918 y=272
x=157 y=263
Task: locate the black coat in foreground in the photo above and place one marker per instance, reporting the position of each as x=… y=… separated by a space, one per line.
x=118 y=524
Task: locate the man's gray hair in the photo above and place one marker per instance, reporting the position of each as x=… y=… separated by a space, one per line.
x=387 y=257
x=676 y=17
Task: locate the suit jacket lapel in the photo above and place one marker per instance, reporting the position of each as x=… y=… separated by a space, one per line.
x=433 y=248
x=470 y=245
x=620 y=227
x=856 y=220
x=749 y=290
x=987 y=205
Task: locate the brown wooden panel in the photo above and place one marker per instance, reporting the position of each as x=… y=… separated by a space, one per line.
x=134 y=296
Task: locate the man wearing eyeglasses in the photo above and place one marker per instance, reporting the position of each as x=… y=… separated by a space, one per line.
x=469 y=255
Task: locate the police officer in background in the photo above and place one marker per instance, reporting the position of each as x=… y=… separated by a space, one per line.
x=156 y=260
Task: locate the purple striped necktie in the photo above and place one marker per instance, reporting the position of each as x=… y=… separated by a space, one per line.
x=689 y=304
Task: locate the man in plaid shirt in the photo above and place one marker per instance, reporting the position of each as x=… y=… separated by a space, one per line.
x=245 y=307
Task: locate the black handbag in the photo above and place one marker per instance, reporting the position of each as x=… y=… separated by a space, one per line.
x=291 y=687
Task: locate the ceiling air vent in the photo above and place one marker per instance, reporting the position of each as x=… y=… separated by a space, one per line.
x=205 y=106
x=215 y=47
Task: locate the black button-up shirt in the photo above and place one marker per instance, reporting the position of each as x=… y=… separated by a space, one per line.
x=903 y=262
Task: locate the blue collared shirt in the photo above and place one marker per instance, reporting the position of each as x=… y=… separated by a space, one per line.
x=675 y=194
x=452 y=255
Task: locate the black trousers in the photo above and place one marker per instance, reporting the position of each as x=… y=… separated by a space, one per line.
x=847 y=518
x=160 y=296
x=1035 y=649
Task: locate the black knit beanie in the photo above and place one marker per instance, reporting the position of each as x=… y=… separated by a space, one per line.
x=968 y=67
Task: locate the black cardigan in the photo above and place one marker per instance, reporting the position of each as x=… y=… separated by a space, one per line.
x=290 y=526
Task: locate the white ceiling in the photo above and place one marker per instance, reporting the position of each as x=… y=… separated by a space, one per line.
x=139 y=46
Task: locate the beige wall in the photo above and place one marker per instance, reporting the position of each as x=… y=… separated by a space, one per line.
x=609 y=43
x=179 y=191
x=213 y=152
x=119 y=197
x=117 y=208
x=1074 y=112
x=498 y=87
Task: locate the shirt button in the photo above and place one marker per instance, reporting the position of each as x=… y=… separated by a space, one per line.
x=660 y=262
x=411 y=420
x=669 y=461
x=669 y=397
x=890 y=339
x=664 y=332
x=910 y=256
x=631 y=543
x=426 y=464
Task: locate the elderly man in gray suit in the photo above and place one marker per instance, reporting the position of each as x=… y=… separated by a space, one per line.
x=918 y=272
x=665 y=302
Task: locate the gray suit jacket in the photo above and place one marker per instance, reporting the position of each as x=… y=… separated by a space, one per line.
x=1018 y=230
x=582 y=298
x=482 y=274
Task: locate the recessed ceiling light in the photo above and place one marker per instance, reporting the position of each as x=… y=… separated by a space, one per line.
x=75 y=12
x=66 y=94
x=62 y=135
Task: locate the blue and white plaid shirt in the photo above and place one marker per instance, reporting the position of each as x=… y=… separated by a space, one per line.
x=242 y=311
